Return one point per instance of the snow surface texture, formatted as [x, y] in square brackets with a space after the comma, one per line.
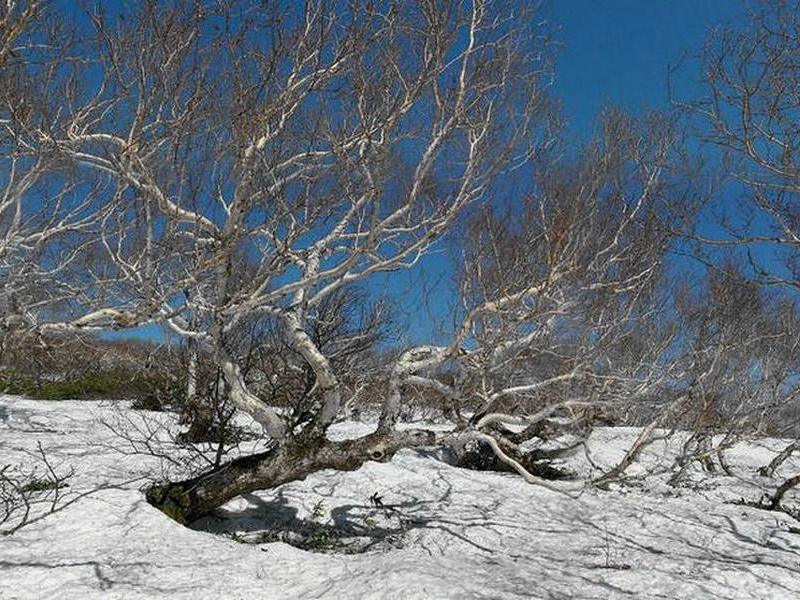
[443, 532]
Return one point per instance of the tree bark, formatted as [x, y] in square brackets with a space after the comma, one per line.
[188, 500]
[191, 373]
[777, 498]
[247, 402]
[780, 458]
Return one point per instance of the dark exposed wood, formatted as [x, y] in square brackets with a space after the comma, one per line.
[188, 500]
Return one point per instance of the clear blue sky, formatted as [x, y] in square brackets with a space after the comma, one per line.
[619, 51]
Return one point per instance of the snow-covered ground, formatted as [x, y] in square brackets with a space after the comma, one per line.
[448, 532]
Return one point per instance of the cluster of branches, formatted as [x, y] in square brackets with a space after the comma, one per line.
[749, 112]
[238, 172]
[29, 495]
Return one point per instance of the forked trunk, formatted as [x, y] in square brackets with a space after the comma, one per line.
[188, 500]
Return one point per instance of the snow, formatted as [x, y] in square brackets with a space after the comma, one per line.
[447, 532]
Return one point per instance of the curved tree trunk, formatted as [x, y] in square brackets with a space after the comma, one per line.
[188, 500]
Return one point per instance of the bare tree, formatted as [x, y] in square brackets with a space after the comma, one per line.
[235, 173]
[750, 109]
[750, 112]
[317, 153]
[739, 373]
[562, 309]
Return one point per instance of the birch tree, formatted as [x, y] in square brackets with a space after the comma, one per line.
[216, 165]
[563, 309]
[749, 111]
[325, 143]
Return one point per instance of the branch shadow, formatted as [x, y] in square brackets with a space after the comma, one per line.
[348, 528]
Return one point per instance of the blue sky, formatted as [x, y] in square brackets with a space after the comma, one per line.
[618, 52]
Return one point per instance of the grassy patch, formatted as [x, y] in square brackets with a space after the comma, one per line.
[102, 384]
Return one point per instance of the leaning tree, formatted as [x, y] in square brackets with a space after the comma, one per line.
[321, 144]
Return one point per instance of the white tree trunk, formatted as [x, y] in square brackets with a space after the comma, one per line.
[191, 375]
[244, 400]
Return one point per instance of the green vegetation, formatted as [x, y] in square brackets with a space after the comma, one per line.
[102, 384]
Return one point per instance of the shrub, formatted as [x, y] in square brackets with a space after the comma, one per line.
[148, 392]
[41, 485]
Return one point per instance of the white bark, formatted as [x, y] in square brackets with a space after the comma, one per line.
[191, 374]
[245, 401]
